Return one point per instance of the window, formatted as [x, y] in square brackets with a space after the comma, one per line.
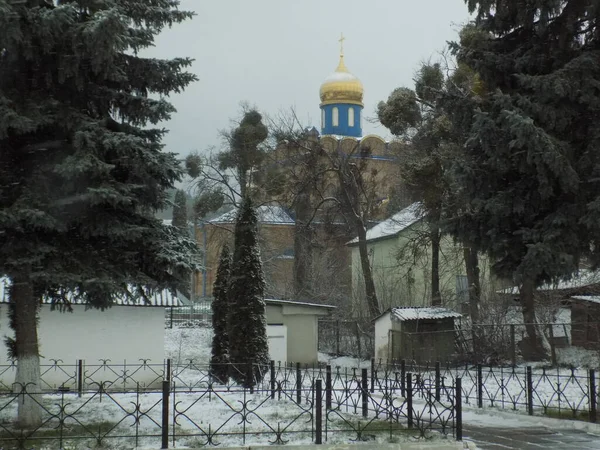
[336, 116]
[351, 117]
[462, 288]
[322, 118]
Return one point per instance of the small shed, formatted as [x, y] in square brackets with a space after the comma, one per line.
[417, 333]
[585, 321]
[130, 331]
[293, 330]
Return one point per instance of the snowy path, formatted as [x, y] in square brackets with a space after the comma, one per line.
[499, 430]
[529, 438]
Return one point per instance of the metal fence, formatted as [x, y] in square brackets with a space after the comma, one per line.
[288, 402]
[346, 338]
[198, 314]
[557, 392]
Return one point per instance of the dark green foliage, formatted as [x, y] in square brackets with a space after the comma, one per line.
[219, 361]
[247, 322]
[180, 215]
[81, 172]
[532, 161]
[245, 152]
[529, 174]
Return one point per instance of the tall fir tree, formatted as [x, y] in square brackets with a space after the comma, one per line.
[219, 361]
[248, 347]
[81, 172]
[180, 213]
[529, 175]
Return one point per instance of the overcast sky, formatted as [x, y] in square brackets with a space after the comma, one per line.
[274, 54]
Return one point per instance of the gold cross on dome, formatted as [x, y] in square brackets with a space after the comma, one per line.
[341, 41]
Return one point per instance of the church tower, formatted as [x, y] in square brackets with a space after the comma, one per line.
[341, 101]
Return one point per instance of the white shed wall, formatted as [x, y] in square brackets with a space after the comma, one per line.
[382, 327]
[120, 333]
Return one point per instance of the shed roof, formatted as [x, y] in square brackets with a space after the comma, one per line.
[162, 298]
[587, 298]
[583, 282]
[422, 313]
[394, 225]
[266, 214]
[291, 302]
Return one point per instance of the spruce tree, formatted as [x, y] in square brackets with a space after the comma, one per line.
[82, 170]
[180, 214]
[529, 175]
[219, 361]
[249, 352]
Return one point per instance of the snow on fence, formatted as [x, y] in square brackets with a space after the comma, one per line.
[288, 403]
[198, 314]
[557, 392]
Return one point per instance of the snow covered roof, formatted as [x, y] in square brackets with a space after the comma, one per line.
[587, 298]
[394, 225]
[422, 313]
[290, 302]
[267, 214]
[163, 298]
[582, 279]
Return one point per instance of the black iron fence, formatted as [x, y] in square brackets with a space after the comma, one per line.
[287, 402]
[556, 392]
[346, 338]
[199, 314]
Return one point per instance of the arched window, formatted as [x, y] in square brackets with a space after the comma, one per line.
[350, 117]
[322, 118]
[336, 116]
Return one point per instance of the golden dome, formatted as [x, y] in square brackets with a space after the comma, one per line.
[341, 87]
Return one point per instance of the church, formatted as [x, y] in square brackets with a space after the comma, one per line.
[303, 238]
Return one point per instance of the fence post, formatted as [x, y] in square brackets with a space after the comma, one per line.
[593, 396]
[358, 340]
[337, 337]
[319, 413]
[403, 378]
[168, 374]
[373, 375]
[298, 383]
[328, 388]
[438, 378]
[272, 370]
[165, 413]
[458, 408]
[409, 400]
[79, 377]
[529, 391]
[552, 348]
[479, 386]
[365, 393]
[513, 346]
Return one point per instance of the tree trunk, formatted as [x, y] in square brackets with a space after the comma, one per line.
[371, 294]
[532, 347]
[24, 307]
[472, 267]
[302, 248]
[436, 296]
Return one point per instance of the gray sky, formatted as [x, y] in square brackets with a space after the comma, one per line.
[274, 54]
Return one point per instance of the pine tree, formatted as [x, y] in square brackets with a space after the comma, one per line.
[249, 352]
[529, 176]
[180, 215]
[219, 362]
[81, 172]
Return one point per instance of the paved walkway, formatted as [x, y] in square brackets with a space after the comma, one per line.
[529, 438]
